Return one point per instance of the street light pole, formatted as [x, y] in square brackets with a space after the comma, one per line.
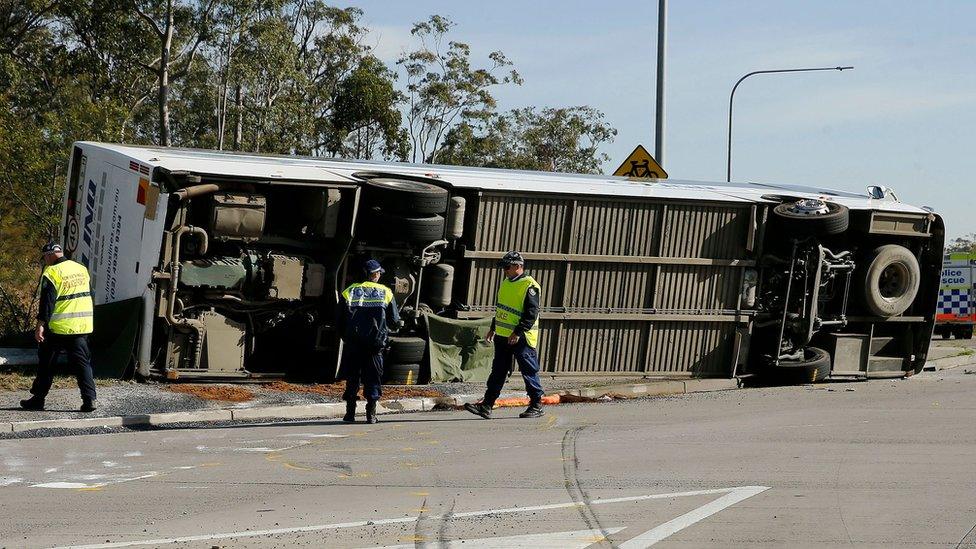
[662, 46]
[728, 174]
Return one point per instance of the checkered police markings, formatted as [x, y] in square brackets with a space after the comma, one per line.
[727, 498]
[954, 301]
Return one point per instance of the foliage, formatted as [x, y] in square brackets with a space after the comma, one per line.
[269, 76]
[553, 139]
[962, 244]
[443, 89]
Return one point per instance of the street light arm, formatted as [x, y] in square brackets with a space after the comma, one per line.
[728, 173]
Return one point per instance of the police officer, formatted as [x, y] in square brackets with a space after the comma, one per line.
[515, 332]
[366, 311]
[64, 320]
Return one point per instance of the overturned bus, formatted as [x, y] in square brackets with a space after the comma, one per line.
[224, 265]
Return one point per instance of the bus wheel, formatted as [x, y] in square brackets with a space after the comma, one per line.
[406, 349]
[813, 367]
[407, 229]
[402, 374]
[406, 197]
[812, 217]
[890, 281]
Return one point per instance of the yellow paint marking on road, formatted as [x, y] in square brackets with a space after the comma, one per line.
[549, 424]
[421, 510]
[432, 441]
[91, 489]
[420, 493]
[407, 449]
[291, 465]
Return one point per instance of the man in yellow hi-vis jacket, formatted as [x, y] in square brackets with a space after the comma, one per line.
[64, 320]
[515, 333]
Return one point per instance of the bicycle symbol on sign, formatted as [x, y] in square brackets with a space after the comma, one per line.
[641, 169]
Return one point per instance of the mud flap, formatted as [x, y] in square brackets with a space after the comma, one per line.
[113, 343]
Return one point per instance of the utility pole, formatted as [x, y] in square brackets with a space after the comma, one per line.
[662, 46]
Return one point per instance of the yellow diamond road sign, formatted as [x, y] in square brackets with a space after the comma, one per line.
[640, 163]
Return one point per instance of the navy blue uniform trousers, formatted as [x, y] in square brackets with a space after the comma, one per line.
[528, 364]
[362, 364]
[79, 360]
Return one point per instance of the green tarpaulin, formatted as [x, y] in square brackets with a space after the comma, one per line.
[458, 349]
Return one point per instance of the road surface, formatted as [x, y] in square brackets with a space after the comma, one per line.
[873, 464]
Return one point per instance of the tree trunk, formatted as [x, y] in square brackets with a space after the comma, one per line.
[164, 130]
[239, 124]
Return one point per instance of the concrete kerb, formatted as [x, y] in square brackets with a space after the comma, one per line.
[950, 362]
[333, 410]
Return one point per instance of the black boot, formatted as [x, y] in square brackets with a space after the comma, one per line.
[534, 410]
[350, 416]
[371, 411]
[32, 403]
[88, 405]
[479, 409]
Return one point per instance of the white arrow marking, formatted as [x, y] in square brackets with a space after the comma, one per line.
[578, 539]
[406, 520]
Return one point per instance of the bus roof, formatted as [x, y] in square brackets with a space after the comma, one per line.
[281, 167]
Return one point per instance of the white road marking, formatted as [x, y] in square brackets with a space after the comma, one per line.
[7, 481]
[405, 520]
[66, 485]
[578, 539]
[132, 454]
[77, 485]
[312, 435]
[655, 535]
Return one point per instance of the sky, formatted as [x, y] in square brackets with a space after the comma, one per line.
[903, 118]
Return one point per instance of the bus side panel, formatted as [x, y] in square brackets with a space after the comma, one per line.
[113, 223]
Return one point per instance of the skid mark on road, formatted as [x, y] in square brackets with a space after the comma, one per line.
[571, 476]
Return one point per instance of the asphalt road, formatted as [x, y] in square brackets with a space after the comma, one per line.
[874, 464]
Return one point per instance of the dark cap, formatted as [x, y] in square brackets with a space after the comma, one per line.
[373, 266]
[511, 258]
[51, 248]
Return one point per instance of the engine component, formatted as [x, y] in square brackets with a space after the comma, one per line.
[314, 284]
[225, 273]
[455, 218]
[439, 285]
[238, 216]
[890, 282]
[406, 197]
[287, 275]
[223, 345]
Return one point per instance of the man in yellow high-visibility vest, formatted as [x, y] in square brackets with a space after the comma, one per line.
[64, 320]
[515, 334]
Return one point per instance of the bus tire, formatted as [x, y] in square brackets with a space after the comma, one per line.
[890, 281]
[402, 374]
[406, 349]
[407, 197]
[405, 229]
[793, 220]
[813, 368]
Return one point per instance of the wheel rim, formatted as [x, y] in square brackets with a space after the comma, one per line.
[894, 280]
[810, 206]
